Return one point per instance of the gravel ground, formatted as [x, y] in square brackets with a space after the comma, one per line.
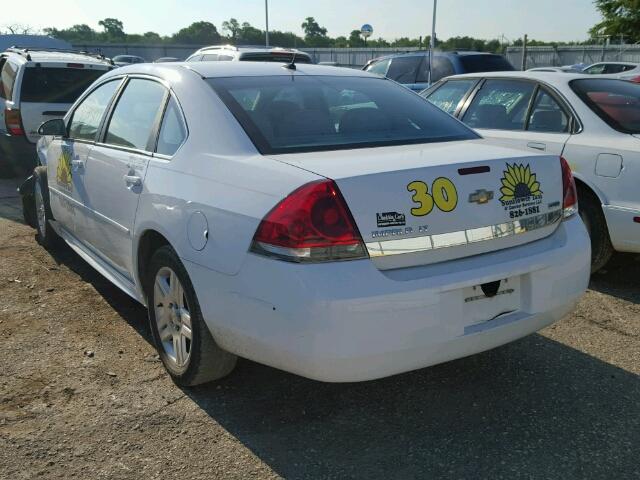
[82, 394]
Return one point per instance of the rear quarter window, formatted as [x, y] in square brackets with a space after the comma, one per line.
[617, 102]
[56, 85]
[7, 79]
[485, 63]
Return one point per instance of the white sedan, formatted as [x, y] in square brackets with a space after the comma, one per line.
[324, 221]
[592, 121]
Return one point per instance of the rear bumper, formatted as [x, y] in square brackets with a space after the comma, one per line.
[349, 321]
[17, 154]
[623, 231]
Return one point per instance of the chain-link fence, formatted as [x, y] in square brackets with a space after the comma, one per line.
[350, 57]
[573, 54]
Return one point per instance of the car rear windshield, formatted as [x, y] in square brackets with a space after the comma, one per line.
[282, 57]
[485, 63]
[56, 85]
[295, 113]
[617, 102]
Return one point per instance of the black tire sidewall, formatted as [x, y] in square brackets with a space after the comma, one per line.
[596, 224]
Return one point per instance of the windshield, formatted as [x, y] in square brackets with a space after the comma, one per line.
[485, 63]
[294, 113]
[56, 85]
[615, 101]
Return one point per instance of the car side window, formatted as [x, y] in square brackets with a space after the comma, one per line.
[449, 95]
[86, 118]
[379, 67]
[209, 57]
[500, 105]
[404, 69]
[225, 58]
[595, 69]
[195, 58]
[442, 67]
[135, 115]
[8, 78]
[547, 115]
[172, 131]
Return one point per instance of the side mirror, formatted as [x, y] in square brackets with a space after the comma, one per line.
[55, 127]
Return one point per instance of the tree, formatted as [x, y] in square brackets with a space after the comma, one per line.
[620, 17]
[355, 40]
[233, 27]
[250, 35]
[314, 34]
[199, 33]
[113, 28]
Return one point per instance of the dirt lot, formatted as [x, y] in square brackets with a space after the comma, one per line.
[82, 394]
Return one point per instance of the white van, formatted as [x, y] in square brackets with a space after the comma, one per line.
[37, 85]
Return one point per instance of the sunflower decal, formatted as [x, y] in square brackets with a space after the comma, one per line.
[63, 172]
[519, 182]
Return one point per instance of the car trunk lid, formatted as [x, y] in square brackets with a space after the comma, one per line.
[422, 204]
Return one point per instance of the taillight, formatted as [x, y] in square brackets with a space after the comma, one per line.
[569, 191]
[13, 121]
[312, 224]
[635, 79]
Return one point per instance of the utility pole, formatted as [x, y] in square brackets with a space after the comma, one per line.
[432, 44]
[524, 53]
[266, 17]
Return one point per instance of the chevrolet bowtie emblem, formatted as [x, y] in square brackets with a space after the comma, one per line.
[480, 196]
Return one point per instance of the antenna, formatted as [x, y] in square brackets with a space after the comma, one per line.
[292, 65]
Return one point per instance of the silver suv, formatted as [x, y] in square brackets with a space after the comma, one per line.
[252, 53]
[38, 84]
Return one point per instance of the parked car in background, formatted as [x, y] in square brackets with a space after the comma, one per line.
[593, 122]
[123, 60]
[324, 221]
[37, 84]
[412, 69]
[166, 60]
[230, 53]
[623, 70]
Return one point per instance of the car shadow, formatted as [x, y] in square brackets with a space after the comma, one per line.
[620, 277]
[535, 408]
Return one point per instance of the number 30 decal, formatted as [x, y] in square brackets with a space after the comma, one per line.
[443, 195]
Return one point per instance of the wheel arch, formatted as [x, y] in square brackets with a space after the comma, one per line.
[149, 241]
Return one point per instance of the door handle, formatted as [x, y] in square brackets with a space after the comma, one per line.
[133, 180]
[537, 145]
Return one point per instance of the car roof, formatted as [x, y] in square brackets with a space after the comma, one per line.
[249, 48]
[547, 77]
[52, 56]
[614, 63]
[437, 53]
[236, 69]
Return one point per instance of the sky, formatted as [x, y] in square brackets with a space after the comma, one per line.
[561, 20]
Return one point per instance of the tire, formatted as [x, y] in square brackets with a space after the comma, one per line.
[590, 211]
[28, 201]
[45, 234]
[174, 316]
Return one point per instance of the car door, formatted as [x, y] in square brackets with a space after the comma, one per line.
[116, 168]
[67, 156]
[518, 114]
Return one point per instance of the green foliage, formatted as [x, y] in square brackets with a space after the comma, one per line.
[198, 33]
[206, 33]
[113, 28]
[619, 17]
